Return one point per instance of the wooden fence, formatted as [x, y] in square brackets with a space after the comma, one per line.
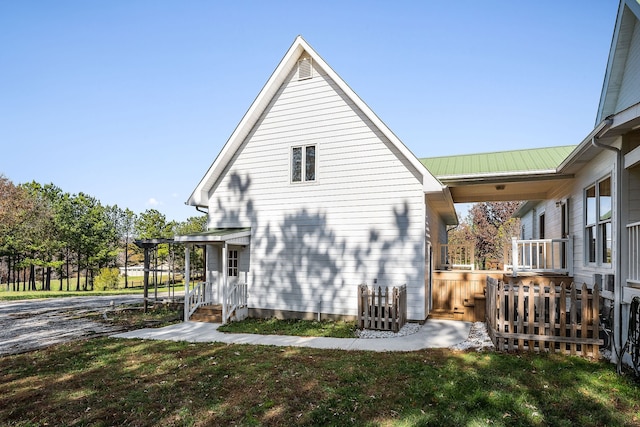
[382, 310]
[557, 319]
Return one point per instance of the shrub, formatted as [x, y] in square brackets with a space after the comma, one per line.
[107, 279]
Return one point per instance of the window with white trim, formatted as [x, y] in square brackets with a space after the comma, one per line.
[303, 163]
[232, 263]
[598, 209]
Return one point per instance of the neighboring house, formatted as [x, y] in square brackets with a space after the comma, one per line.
[313, 195]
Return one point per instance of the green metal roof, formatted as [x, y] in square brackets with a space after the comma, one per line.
[529, 160]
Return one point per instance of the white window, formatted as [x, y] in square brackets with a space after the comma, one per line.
[598, 211]
[303, 163]
[232, 263]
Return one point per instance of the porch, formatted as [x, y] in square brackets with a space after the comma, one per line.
[458, 290]
[223, 295]
[543, 256]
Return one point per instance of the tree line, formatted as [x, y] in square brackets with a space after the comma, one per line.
[50, 235]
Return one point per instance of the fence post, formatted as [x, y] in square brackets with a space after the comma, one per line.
[360, 314]
[595, 307]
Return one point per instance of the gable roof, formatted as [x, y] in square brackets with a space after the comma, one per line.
[625, 45]
[501, 163]
[200, 195]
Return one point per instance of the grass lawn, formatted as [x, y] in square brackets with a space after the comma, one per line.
[136, 286]
[104, 382]
[21, 295]
[302, 328]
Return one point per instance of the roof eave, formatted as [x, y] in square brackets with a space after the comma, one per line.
[199, 197]
[585, 145]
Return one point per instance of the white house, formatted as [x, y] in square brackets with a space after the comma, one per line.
[313, 195]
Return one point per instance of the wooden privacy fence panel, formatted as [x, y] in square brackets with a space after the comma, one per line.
[382, 310]
[551, 318]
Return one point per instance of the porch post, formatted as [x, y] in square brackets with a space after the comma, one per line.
[569, 255]
[146, 276]
[187, 278]
[225, 273]
[514, 257]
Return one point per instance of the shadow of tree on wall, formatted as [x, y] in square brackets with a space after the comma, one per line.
[307, 265]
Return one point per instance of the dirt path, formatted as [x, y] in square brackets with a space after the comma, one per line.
[32, 324]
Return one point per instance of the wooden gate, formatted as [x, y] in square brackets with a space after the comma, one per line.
[382, 310]
[551, 318]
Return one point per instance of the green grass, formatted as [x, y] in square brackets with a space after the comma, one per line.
[20, 295]
[102, 382]
[303, 328]
[135, 286]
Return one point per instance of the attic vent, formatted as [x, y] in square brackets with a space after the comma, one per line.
[305, 69]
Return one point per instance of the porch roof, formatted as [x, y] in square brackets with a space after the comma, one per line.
[535, 160]
[500, 176]
[215, 235]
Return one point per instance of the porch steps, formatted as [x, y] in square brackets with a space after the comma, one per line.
[208, 314]
[460, 295]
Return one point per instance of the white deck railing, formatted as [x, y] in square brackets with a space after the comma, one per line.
[540, 256]
[456, 256]
[235, 297]
[633, 231]
[201, 294]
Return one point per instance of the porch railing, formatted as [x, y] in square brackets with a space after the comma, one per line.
[235, 297]
[540, 256]
[633, 231]
[201, 294]
[456, 256]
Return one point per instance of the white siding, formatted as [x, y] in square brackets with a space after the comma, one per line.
[602, 166]
[363, 219]
[553, 214]
[572, 191]
[630, 88]
[526, 222]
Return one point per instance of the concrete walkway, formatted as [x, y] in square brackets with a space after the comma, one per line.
[433, 334]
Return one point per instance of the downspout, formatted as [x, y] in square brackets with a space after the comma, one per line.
[200, 210]
[617, 280]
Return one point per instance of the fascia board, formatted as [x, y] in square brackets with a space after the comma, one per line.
[610, 62]
[200, 195]
[491, 176]
[634, 5]
[429, 182]
[582, 147]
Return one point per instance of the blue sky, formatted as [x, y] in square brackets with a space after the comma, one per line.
[131, 101]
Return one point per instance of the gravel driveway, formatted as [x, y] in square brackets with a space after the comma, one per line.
[32, 324]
